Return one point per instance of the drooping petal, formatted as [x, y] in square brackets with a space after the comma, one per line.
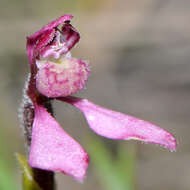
[53, 149]
[115, 125]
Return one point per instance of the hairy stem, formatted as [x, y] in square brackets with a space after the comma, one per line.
[45, 179]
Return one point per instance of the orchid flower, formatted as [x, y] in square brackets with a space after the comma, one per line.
[55, 74]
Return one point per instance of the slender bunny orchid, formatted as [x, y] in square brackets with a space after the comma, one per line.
[56, 75]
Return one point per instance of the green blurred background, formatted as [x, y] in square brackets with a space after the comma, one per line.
[140, 61]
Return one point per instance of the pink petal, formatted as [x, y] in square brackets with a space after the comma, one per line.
[115, 125]
[64, 41]
[31, 40]
[70, 34]
[53, 149]
[64, 78]
[44, 39]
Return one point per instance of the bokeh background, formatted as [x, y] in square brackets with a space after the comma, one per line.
[139, 53]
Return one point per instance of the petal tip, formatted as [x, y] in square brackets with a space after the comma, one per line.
[168, 142]
[172, 143]
[80, 174]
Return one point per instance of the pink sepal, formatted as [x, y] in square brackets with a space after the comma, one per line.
[115, 125]
[51, 25]
[31, 40]
[53, 149]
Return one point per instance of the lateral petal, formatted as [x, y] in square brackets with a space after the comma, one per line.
[115, 125]
[53, 149]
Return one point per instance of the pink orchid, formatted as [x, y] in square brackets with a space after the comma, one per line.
[56, 75]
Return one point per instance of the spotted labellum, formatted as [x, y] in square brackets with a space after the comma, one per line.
[55, 74]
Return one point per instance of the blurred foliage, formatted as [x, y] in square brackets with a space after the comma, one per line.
[115, 172]
[28, 180]
[42, 8]
[6, 177]
[14, 72]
